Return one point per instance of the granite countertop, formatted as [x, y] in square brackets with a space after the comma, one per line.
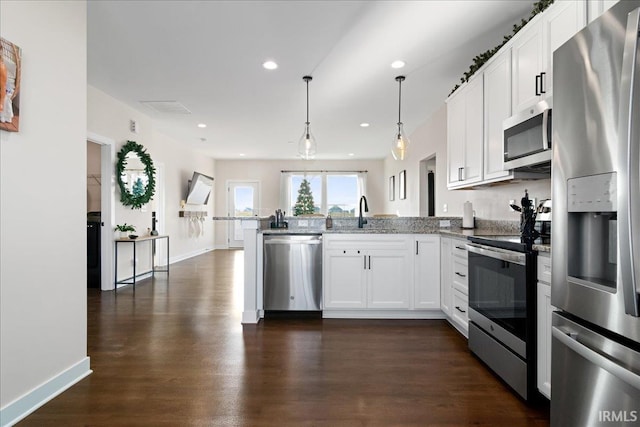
[239, 218]
[545, 248]
[452, 232]
[456, 232]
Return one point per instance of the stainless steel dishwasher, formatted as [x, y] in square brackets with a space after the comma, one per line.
[292, 272]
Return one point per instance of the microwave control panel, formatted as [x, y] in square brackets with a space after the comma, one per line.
[593, 193]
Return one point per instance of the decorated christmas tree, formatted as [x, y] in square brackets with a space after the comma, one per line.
[304, 203]
[138, 188]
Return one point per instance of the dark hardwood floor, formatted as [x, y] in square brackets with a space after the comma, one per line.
[175, 354]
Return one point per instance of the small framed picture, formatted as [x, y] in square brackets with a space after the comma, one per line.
[403, 184]
[392, 188]
[10, 68]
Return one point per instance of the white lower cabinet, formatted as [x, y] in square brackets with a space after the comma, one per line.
[344, 279]
[460, 312]
[453, 282]
[388, 279]
[544, 311]
[446, 269]
[427, 273]
[366, 271]
[382, 275]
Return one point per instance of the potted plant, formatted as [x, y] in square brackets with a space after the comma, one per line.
[124, 229]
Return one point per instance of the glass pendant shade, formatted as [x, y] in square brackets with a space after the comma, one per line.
[307, 146]
[400, 144]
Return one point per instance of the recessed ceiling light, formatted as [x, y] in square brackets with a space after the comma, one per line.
[270, 65]
[202, 125]
[397, 64]
[241, 154]
[364, 125]
[351, 154]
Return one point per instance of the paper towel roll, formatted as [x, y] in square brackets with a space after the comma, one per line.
[467, 215]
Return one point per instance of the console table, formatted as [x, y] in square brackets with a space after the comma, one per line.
[134, 242]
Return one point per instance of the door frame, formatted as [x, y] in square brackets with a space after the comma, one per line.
[107, 207]
[228, 184]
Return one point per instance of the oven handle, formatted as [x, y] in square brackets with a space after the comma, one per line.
[497, 253]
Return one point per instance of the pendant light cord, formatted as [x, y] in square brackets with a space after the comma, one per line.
[399, 99]
[399, 79]
[307, 79]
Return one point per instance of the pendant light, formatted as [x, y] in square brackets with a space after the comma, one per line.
[400, 142]
[307, 146]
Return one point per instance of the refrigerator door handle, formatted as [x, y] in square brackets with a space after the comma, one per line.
[545, 127]
[628, 173]
[570, 340]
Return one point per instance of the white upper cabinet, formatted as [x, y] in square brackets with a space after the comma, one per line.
[527, 66]
[497, 107]
[595, 8]
[465, 135]
[561, 21]
[533, 49]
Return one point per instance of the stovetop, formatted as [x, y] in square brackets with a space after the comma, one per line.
[514, 242]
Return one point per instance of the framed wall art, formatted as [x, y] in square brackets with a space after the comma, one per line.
[402, 185]
[392, 188]
[10, 67]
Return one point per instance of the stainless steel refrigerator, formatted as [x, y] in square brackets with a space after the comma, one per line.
[595, 372]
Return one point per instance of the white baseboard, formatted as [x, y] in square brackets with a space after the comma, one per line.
[250, 317]
[216, 247]
[26, 404]
[188, 255]
[383, 314]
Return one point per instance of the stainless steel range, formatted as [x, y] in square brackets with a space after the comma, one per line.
[502, 309]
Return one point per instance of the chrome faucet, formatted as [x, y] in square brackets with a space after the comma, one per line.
[362, 221]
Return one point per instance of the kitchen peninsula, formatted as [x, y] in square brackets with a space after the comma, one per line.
[407, 251]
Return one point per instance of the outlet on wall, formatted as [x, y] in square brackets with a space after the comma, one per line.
[445, 208]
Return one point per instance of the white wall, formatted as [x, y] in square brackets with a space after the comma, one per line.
[267, 172]
[489, 202]
[110, 118]
[43, 302]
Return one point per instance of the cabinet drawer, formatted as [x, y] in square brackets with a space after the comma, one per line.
[458, 248]
[460, 312]
[544, 269]
[459, 275]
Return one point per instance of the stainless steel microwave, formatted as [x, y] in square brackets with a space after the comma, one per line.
[527, 138]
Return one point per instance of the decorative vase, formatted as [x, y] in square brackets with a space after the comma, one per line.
[124, 235]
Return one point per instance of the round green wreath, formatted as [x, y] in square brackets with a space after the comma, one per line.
[128, 199]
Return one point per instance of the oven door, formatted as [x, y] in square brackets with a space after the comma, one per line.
[498, 294]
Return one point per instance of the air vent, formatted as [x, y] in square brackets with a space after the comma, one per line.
[170, 107]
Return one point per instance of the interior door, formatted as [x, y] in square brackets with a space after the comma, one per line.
[243, 201]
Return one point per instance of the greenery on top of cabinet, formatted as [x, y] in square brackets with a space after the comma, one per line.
[482, 58]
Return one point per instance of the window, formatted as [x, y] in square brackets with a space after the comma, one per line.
[336, 193]
[342, 195]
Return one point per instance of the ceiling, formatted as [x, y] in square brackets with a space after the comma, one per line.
[208, 56]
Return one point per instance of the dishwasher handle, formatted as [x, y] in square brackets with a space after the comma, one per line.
[292, 242]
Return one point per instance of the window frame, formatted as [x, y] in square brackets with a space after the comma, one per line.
[286, 189]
